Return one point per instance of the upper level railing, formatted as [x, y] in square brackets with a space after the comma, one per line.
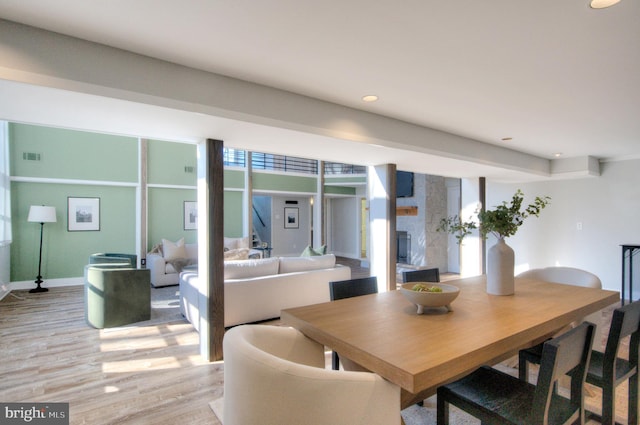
[339, 168]
[271, 162]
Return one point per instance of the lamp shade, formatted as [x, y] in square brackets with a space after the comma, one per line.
[42, 214]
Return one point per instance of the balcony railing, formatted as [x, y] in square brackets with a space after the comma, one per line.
[338, 168]
[270, 162]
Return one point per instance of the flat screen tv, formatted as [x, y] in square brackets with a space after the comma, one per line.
[404, 184]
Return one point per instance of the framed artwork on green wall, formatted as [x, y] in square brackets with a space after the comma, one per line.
[83, 214]
[190, 215]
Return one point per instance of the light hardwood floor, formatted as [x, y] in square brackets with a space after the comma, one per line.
[135, 375]
[129, 375]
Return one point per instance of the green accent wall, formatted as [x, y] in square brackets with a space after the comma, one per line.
[166, 215]
[233, 214]
[106, 166]
[166, 162]
[280, 182]
[233, 179]
[346, 179]
[64, 253]
[69, 154]
[339, 190]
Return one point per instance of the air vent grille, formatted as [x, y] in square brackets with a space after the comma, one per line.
[30, 156]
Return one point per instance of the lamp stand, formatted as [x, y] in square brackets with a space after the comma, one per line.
[39, 278]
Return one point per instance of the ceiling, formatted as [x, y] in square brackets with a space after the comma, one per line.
[556, 77]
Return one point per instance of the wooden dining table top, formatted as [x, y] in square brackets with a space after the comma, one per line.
[384, 334]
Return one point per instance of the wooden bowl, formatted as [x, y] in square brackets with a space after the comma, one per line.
[430, 299]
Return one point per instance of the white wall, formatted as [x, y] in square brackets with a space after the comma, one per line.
[608, 208]
[4, 270]
[345, 227]
[290, 242]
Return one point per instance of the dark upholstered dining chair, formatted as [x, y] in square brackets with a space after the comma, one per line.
[348, 289]
[425, 275]
[495, 397]
[607, 370]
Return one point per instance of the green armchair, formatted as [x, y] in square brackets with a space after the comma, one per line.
[113, 257]
[116, 295]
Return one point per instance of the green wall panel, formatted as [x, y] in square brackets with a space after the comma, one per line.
[165, 217]
[64, 253]
[346, 179]
[167, 161]
[234, 179]
[69, 154]
[267, 181]
[233, 214]
[339, 190]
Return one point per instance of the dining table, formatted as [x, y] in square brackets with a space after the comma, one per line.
[384, 334]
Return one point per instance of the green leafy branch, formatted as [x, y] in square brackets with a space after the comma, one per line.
[505, 219]
[457, 227]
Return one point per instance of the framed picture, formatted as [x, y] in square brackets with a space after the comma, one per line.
[83, 214]
[291, 218]
[190, 215]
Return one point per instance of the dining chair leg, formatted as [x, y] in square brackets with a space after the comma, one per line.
[633, 400]
[608, 405]
[523, 369]
[442, 413]
[335, 361]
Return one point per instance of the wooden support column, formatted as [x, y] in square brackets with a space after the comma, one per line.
[248, 198]
[319, 231]
[482, 199]
[210, 248]
[141, 209]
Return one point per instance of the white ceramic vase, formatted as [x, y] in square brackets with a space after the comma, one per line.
[500, 265]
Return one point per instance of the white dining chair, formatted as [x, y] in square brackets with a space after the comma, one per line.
[275, 375]
[576, 277]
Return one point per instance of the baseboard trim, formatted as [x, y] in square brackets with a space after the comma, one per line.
[49, 283]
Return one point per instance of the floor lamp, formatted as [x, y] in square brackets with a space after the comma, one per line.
[41, 214]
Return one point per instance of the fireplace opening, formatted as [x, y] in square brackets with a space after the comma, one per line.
[403, 247]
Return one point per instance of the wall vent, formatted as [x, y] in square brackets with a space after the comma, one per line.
[189, 169]
[30, 156]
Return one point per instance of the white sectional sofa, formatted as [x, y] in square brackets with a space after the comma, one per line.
[168, 259]
[166, 271]
[256, 290]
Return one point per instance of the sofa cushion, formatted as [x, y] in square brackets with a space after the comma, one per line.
[173, 250]
[301, 264]
[241, 269]
[236, 254]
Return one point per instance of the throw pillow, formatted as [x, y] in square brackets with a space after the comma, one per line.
[173, 250]
[230, 243]
[312, 252]
[236, 254]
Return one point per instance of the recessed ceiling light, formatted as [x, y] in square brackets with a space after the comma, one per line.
[369, 98]
[557, 154]
[601, 4]
[507, 139]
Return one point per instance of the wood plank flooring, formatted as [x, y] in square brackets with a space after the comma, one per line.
[129, 375]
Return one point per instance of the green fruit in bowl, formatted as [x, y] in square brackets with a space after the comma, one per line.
[421, 287]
